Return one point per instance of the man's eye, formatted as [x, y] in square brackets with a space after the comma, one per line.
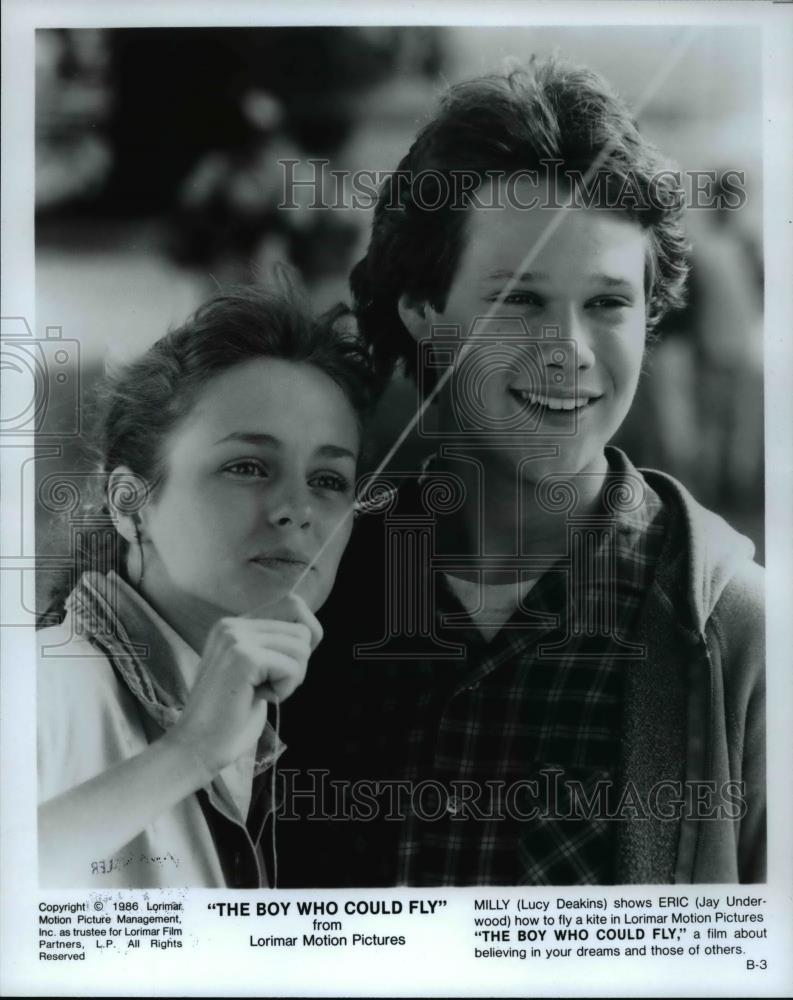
[247, 469]
[518, 299]
[330, 481]
[608, 302]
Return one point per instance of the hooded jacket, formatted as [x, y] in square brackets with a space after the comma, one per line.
[693, 716]
[694, 709]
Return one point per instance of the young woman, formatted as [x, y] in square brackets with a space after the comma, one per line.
[228, 459]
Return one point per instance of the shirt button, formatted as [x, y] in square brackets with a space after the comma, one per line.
[452, 805]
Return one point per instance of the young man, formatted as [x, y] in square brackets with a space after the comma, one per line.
[541, 666]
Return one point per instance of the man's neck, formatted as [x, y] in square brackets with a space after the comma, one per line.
[503, 517]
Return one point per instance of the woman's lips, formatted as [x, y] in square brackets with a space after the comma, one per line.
[282, 565]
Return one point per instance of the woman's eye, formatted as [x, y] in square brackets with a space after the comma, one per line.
[247, 469]
[330, 481]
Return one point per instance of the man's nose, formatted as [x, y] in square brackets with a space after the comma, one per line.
[570, 347]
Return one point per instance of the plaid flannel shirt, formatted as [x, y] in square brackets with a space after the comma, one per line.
[504, 748]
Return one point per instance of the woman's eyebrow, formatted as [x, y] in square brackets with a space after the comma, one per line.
[335, 451]
[257, 438]
[250, 437]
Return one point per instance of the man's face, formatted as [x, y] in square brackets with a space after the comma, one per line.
[575, 277]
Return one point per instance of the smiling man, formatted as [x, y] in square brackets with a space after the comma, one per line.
[542, 665]
[545, 378]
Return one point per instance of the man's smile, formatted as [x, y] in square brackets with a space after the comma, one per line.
[554, 402]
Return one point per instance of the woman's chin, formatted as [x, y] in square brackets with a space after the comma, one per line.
[263, 604]
[267, 599]
[277, 603]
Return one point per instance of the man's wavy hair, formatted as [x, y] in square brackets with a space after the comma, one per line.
[547, 111]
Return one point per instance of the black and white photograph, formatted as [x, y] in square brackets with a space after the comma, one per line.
[393, 434]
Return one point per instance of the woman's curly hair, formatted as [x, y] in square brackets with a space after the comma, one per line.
[138, 406]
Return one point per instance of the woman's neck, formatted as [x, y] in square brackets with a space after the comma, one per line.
[191, 618]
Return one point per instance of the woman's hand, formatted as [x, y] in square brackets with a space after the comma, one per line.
[246, 663]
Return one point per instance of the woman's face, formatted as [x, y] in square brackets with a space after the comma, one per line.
[257, 495]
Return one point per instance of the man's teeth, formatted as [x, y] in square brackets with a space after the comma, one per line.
[552, 403]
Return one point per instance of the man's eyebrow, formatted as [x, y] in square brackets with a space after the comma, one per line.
[599, 278]
[610, 280]
[523, 276]
[257, 438]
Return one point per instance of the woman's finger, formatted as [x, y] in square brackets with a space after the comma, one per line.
[306, 616]
[262, 667]
[278, 690]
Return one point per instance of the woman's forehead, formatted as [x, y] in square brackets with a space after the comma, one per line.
[293, 403]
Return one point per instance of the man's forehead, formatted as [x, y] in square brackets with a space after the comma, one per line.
[530, 244]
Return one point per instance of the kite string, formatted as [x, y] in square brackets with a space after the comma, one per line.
[652, 88]
[654, 85]
[273, 800]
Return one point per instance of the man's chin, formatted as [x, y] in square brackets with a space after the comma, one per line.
[566, 461]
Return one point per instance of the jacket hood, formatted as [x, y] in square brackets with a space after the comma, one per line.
[710, 556]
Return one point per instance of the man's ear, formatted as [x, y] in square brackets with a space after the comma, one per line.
[127, 497]
[417, 315]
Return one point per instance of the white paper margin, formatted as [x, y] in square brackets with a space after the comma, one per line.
[282, 973]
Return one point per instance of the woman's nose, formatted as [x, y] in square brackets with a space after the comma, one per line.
[290, 510]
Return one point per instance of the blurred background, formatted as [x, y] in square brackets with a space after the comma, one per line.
[157, 184]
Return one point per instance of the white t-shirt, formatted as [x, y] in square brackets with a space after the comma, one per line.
[489, 605]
